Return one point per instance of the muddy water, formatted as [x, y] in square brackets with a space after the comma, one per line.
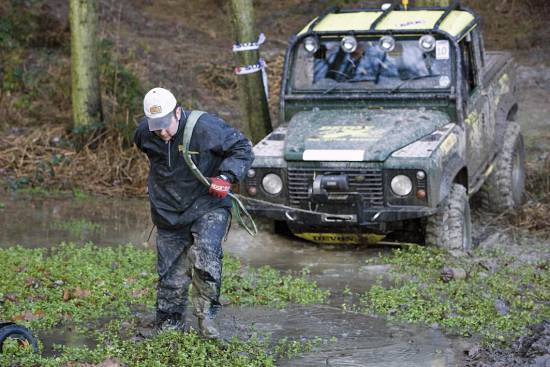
[46, 222]
[360, 340]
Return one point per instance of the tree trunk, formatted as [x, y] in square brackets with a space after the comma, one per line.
[254, 107]
[86, 96]
[432, 3]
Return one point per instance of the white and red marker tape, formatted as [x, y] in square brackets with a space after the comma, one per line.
[249, 46]
[249, 69]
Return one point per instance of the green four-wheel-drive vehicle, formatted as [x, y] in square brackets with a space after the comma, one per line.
[391, 120]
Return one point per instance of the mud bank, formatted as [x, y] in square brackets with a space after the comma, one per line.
[531, 350]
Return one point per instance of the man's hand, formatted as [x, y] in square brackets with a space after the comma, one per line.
[219, 187]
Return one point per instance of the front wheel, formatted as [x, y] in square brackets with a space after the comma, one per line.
[451, 227]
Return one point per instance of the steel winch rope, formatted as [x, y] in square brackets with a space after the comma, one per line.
[237, 205]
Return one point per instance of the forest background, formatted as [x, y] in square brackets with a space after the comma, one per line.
[184, 46]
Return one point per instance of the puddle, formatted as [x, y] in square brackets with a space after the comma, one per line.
[108, 221]
[47, 222]
[65, 336]
[360, 340]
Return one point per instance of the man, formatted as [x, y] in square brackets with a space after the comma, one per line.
[191, 219]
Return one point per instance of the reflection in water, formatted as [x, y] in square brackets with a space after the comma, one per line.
[43, 223]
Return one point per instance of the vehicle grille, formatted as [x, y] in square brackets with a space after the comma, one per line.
[367, 182]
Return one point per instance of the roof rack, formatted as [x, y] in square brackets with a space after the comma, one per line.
[455, 5]
[394, 6]
[331, 10]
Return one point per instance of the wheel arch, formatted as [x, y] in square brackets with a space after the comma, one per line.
[507, 111]
[456, 171]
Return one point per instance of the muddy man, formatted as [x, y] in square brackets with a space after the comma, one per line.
[192, 219]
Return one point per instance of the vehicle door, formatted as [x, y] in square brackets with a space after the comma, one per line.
[476, 106]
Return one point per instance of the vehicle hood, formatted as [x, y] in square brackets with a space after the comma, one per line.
[358, 135]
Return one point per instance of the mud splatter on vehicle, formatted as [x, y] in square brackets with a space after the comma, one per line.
[390, 121]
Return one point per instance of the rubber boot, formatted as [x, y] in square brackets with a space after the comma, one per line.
[208, 329]
[170, 321]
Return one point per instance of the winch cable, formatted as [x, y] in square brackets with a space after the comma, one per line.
[238, 208]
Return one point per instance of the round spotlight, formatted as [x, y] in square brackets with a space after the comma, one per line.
[311, 44]
[401, 185]
[349, 44]
[427, 43]
[387, 43]
[272, 184]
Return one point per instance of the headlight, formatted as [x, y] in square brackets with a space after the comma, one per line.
[387, 43]
[401, 185]
[349, 44]
[272, 184]
[427, 43]
[311, 44]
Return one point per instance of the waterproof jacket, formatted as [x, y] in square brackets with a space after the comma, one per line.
[177, 197]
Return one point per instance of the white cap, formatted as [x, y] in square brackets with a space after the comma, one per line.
[158, 105]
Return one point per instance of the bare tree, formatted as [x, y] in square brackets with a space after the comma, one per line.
[86, 96]
[254, 107]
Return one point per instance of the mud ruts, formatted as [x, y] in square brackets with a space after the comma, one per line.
[191, 255]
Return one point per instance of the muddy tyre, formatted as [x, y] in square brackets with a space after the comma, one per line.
[504, 188]
[451, 227]
[19, 333]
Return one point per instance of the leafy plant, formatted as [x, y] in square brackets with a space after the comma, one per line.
[497, 304]
[42, 288]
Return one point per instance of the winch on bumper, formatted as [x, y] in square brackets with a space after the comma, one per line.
[375, 219]
[338, 199]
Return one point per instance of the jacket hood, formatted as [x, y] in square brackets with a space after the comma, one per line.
[358, 135]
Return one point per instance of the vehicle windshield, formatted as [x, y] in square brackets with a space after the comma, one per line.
[405, 67]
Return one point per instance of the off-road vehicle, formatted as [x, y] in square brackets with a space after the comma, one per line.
[391, 120]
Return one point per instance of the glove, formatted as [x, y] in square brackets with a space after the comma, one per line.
[219, 187]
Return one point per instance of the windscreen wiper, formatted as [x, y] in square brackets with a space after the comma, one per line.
[417, 77]
[333, 87]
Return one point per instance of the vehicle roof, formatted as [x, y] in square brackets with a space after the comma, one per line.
[455, 23]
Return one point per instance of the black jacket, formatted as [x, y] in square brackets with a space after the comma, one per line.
[177, 197]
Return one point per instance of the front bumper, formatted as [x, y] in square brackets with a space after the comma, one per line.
[368, 218]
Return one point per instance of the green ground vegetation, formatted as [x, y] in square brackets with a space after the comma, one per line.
[166, 349]
[80, 284]
[497, 299]
[42, 288]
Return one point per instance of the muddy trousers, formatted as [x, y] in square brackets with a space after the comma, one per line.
[192, 255]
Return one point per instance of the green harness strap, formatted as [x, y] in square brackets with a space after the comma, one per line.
[237, 205]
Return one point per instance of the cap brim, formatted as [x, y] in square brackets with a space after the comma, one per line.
[159, 123]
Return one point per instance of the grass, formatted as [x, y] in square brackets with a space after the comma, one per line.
[465, 306]
[166, 349]
[42, 288]
[81, 284]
